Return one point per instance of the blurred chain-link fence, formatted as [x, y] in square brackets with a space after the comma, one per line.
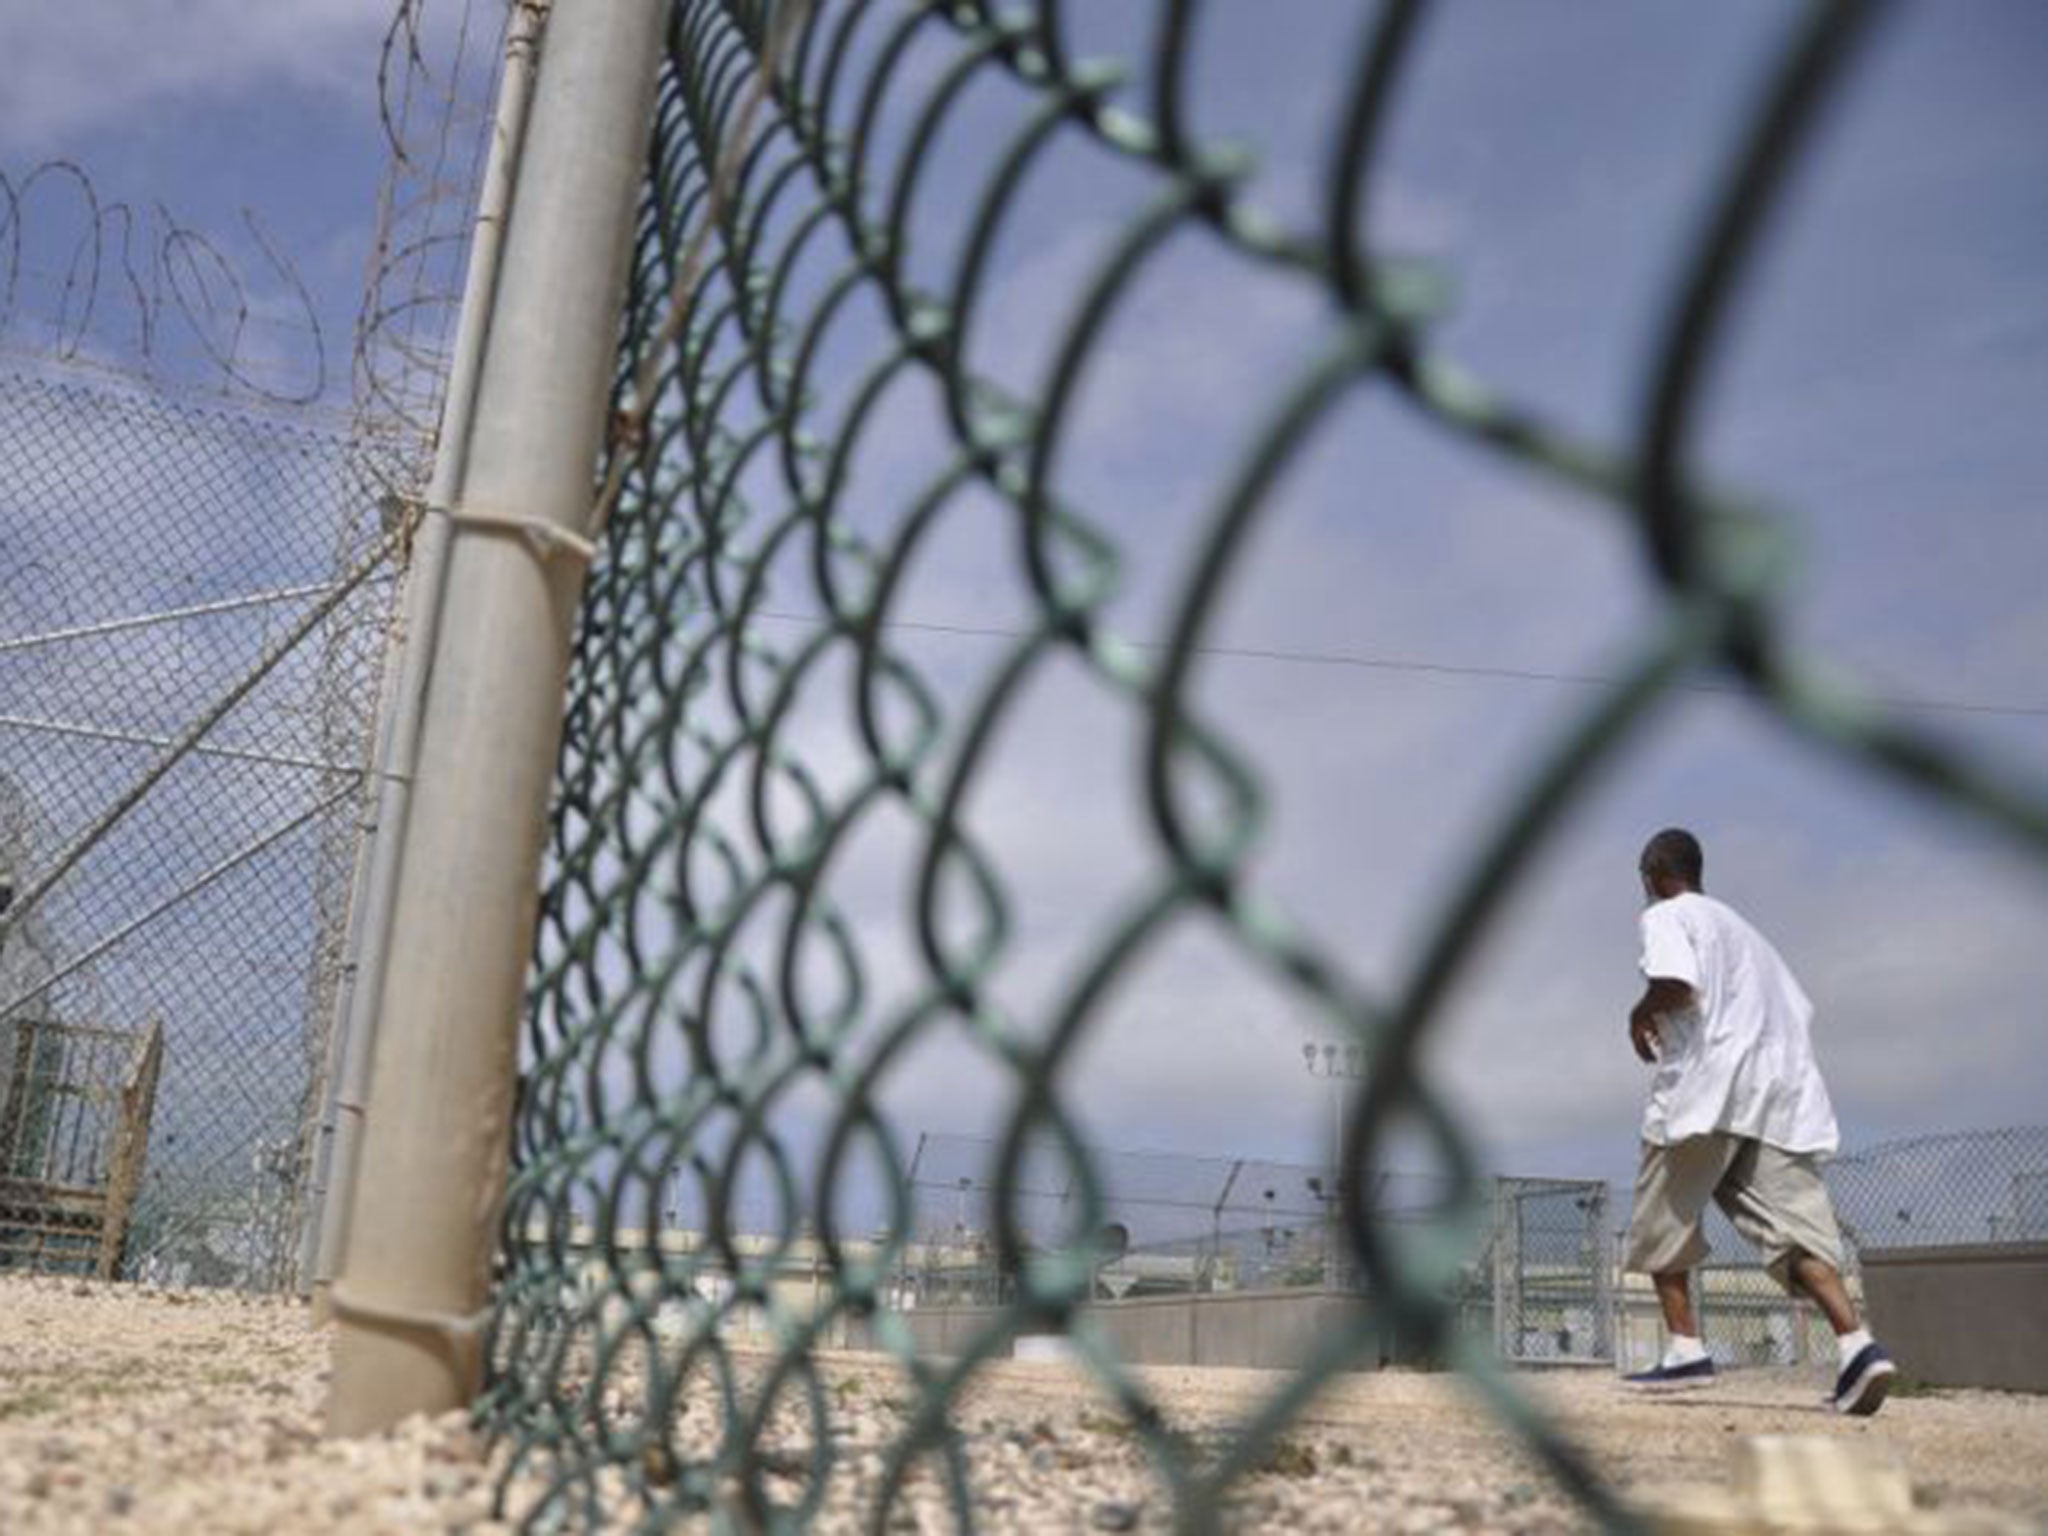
[776, 901]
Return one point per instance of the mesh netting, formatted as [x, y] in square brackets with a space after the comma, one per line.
[1945, 1191]
[725, 994]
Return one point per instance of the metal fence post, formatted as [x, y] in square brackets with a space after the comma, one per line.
[1507, 1302]
[1620, 1324]
[1599, 1252]
[1216, 1223]
[376, 877]
[430, 1181]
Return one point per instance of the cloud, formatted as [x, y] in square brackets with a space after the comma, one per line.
[74, 69]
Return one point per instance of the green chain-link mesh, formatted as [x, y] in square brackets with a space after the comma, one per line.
[679, 699]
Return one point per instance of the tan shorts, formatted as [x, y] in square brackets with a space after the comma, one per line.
[1776, 1199]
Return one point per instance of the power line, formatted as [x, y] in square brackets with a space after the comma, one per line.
[1422, 667]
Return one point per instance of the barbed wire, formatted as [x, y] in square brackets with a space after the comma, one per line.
[435, 93]
[122, 279]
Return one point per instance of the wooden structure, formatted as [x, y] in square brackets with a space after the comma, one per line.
[75, 1109]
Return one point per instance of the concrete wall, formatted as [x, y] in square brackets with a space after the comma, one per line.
[1267, 1330]
[1963, 1317]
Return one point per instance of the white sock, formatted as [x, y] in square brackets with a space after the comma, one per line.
[1683, 1349]
[1852, 1343]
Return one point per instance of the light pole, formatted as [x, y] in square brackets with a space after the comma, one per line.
[1337, 1065]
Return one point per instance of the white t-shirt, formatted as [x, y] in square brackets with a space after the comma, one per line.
[1740, 1059]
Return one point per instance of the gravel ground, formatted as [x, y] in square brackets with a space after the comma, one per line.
[130, 1410]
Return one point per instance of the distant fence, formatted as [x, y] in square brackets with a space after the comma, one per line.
[1181, 1222]
[1544, 1286]
[1947, 1190]
[1192, 1225]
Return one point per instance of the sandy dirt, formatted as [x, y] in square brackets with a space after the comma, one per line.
[131, 1410]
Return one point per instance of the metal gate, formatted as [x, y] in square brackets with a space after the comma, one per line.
[75, 1107]
[1549, 1266]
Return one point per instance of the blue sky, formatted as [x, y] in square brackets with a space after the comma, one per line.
[214, 109]
[1884, 391]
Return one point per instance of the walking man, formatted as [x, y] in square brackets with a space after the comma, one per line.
[1737, 1114]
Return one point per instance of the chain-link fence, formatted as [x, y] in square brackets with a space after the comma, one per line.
[1539, 1284]
[199, 556]
[1545, 1286]
[1944, 1191]
[727, 994]
[156, 551]
[1173, 1223]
